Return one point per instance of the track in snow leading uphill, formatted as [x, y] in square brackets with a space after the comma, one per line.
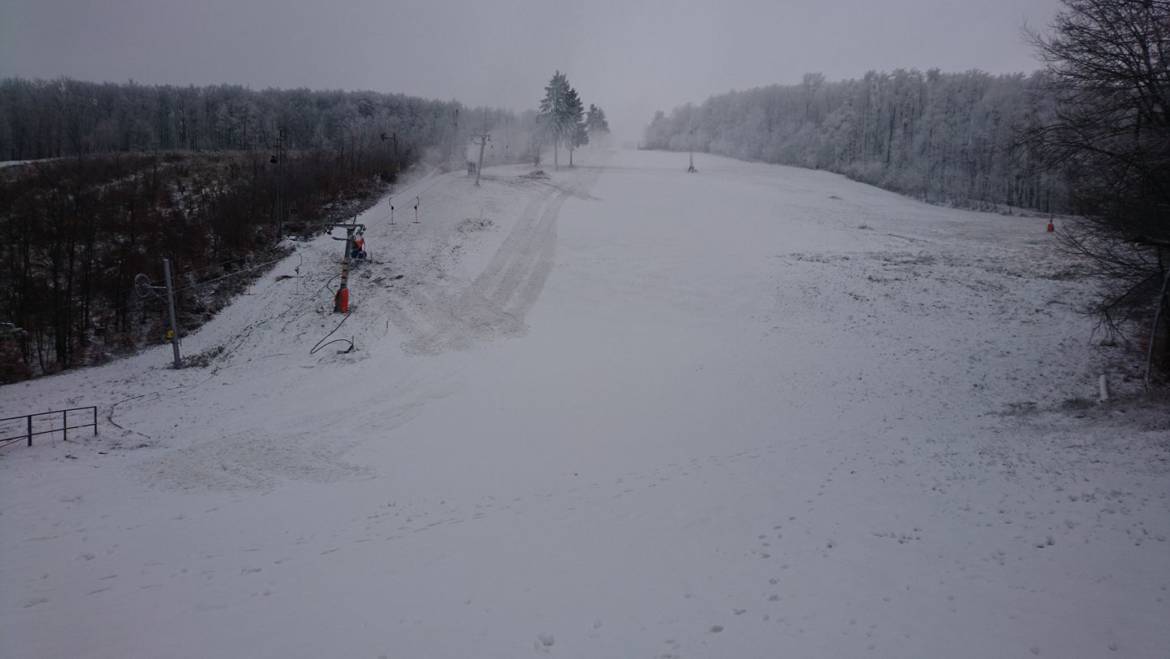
[437, 319]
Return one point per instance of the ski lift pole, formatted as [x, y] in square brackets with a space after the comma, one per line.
[171, 309]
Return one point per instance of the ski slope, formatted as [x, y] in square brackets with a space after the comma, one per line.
[622, 411]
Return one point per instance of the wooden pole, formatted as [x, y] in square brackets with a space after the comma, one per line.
[483, 139]
[171, 309]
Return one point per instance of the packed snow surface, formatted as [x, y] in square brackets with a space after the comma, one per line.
[616, 411]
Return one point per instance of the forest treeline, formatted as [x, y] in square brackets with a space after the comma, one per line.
[63, 117]
[122, 175]
[942, 137]
[76, 232]
[1089, 134]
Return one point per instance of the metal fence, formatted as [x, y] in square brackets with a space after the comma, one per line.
[56, 415]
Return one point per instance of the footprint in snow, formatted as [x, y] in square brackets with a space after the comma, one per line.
[544, 643]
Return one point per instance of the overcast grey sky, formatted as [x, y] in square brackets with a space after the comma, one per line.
[629, 57]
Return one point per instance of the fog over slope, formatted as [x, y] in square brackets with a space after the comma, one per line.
[632, 57]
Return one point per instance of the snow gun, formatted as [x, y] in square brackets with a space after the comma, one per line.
[341, 299]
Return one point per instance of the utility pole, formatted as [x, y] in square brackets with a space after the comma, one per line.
[279, 159]
[452, 139]
[482, 138]
[394, 139]
[691, 142]
[171, 308]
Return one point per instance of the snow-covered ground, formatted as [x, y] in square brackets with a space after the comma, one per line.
[17, 163]
[620, 412]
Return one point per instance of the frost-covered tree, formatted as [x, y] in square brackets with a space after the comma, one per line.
[63, 117]
[580, 138]
[595, 121]
[553, 111]
[575, 135]
[1109, 63]
[949, 138]
[558, 112]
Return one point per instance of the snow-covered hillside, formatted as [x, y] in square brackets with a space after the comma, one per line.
[622, 411]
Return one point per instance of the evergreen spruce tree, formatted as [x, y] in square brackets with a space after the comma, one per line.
[575, 134]
[580, 138]
[555, 111]
[595, 121]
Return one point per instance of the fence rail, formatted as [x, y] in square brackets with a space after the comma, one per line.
[64, 429]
